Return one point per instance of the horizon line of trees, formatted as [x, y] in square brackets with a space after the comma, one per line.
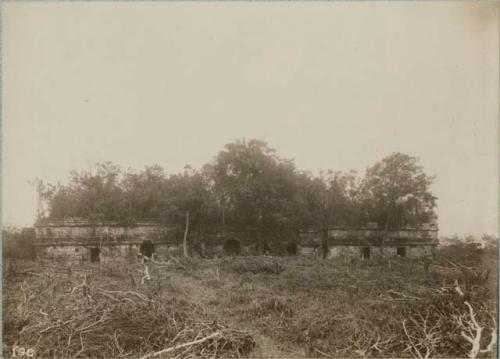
[246, 188]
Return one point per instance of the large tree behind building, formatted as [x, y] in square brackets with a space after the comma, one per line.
[190, 191]
[106, 193]
[95, 195]
[144, 195]
[257, 189]
[330, 199]
[396, 192]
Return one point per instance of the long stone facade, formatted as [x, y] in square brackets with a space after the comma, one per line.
[81, 241]
[371, 242]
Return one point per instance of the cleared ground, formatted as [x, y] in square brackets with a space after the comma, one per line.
[259, 307]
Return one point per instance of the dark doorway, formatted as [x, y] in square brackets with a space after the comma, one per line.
[365, 252]
[232, 247]
[266, 249]
[291, 248]
[401, 251]
[94, 254]
[147, 248]
[262, 248]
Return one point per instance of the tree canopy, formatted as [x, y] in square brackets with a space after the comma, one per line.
[396, 192]
[246, 188]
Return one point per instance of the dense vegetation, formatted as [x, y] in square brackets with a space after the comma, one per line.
[18, 243]
[246, 188]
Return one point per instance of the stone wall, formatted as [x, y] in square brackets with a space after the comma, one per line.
[307, 250]
[80, 254]
[348, 252]
[75, 240]
[53, 231]
[72, 253]
[421, 251]
[405, 236]
[389, 251]
[344, 252]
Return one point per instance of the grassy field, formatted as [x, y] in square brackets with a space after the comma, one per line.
[257, 307]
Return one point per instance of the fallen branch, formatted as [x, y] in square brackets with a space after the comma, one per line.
[175, 347]
[138, 295]
[323, 353]
[117, 344]
[101, 320]
[475, 340]
[30, 271]
[403, 295]
[411, 341]
[56, 326]
[84, 285]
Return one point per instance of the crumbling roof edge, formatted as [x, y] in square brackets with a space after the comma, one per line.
[398, 244]
[351, 229]
[99, 224]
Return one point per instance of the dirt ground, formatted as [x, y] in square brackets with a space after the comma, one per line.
[211, 293]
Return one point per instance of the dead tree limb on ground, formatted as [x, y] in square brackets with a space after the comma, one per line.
[85, 285]
[475, 332]
[175, 347]
[424, 337]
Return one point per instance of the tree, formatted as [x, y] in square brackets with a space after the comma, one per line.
[93, 196]
[396, 192]
[256, 188]
[332, 198]
[19, 243]
[144, 195]
[190, 204]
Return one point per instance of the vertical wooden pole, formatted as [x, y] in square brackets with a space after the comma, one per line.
[184, 242]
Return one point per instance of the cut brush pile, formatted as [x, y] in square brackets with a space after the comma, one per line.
[61, 318]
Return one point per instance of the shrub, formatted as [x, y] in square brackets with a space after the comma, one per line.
[19, 243]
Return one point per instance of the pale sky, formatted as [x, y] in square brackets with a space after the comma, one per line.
[331, 84]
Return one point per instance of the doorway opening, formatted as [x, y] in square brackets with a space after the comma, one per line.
[147, 248]
[365, 252]
[291, 248]
[401, 251]
[232, 247]
[94, 254]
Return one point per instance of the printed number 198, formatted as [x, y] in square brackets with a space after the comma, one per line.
[20, 352]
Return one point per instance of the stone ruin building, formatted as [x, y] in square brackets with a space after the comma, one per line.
[82, 241]
[371, 241]
[78, 240]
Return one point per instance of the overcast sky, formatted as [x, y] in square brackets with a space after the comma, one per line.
[333, 85]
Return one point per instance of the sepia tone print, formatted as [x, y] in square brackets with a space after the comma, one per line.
[250, 179]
